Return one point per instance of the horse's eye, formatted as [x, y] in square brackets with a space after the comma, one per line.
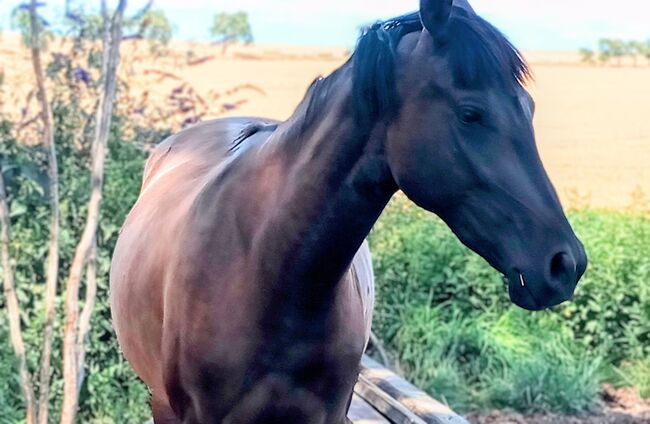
[470, 116]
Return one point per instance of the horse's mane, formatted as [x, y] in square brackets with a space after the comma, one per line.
[478, 53]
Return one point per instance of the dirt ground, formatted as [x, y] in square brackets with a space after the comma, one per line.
[623, 406]
[592, 122]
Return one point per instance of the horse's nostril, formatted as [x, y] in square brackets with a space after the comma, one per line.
[563, 268]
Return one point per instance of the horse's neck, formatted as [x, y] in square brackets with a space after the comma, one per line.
[337, 184]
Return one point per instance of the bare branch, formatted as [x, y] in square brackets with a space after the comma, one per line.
[139, 16]
[143, 11]
[72, 15]
[112, 40]
[86, 314]
[104, 12]
[53, 254]
[137, 36]
[13, 307]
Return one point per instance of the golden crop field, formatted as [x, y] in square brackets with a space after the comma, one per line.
[592, 122]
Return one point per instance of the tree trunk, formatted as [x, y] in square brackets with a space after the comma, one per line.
[53, 254]
[13, 308]
[71, 367]
[86, 314]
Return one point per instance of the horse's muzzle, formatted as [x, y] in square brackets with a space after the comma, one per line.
[554, 284]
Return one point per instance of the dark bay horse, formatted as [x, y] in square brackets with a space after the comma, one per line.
[242, 287]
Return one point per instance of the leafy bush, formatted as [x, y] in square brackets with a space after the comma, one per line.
[11, 401]
[418, 261]
[112, 393]
[446, 315]
[612, 305]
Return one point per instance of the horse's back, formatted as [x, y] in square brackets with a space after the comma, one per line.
[176, 172]
[202, 146]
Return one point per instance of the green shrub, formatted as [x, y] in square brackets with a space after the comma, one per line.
[612, 304]
[111, 393]
[418, 261]
[446, 315]
[11, 401]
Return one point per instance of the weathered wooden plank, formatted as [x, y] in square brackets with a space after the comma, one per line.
[421, 405]
[384, 403]
[362, 413]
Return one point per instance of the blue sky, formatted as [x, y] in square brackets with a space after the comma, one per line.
[531, 24]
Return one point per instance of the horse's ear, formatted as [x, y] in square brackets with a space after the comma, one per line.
[435, 15]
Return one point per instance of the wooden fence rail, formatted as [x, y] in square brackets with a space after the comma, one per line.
[388, 398]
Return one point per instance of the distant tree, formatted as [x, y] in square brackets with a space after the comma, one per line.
[619, 49]
[153, 26]
[157, 27]
[80, 25]
[587, 55]
[605, 50]
[231, 27]
[21, 21]
[609, 49]
[631, 51]
[645, 50]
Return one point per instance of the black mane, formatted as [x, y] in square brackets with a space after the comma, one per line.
[374, 67]
[479, 54]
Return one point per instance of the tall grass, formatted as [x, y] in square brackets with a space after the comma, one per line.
[497, 361]
[445, 315]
